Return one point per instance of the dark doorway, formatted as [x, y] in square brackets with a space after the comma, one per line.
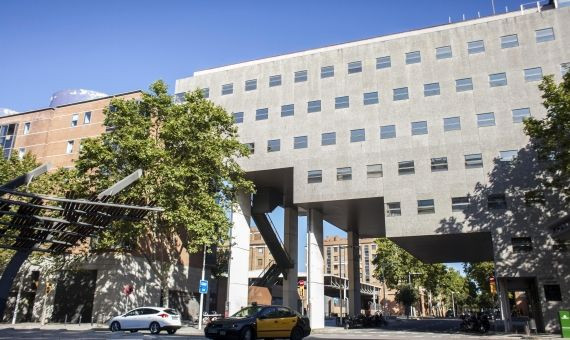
[74, 296]
[524, 301]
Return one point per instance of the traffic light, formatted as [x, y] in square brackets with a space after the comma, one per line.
[492, 285]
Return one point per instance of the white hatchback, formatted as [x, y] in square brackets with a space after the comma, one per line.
[155, 319]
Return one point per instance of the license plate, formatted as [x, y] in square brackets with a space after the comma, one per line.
[175, 318]
[222, 332]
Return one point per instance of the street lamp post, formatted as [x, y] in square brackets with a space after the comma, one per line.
[410, 282]
[202, 295]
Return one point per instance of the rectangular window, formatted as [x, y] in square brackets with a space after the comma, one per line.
[354, 67]
[370, 98]
[275, 80]
[287, 110]
[564, 68]
[314, 106]
[74, 120]
[443, 52]
[341, 102]
[328, 138]
[387, 131]
[545, 34]
[486, 119]
[533, 74]
[431, 89]
[315, 176]
[374, 171]
[383, 62]
[87, 117]
[508, 155]
[250, 147]
[496, 201]
[498, 79]
[462, 85]
[227, 89]
[426, 206]
[520, 114]
[238, 117]
[206, 92]
[439, 164]
[552, 292]
[27, 126]
[261, 114]
[344, 174]
[327, 72]
[474, 47]
[273, 145]
[179, 98]
[300, 142]
[413, 57]
[474, 160]
[357, 135]
[459, 203]
[69, 148]
[401, 94]
[419, 128]
[406, 168]
[509, 41]
[521, 244]
[259, 262]
[251, 84]
[451, 124]
[393, 209]
[301, 76]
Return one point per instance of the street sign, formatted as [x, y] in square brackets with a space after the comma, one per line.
[203, 287]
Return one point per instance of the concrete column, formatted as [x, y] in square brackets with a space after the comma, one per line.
[238, 279]
[353, 262]
[291, 243]
[315, 275]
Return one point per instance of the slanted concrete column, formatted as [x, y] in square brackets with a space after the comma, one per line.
[353, 262]
[291, 243]
[315, 275]
[238, 280]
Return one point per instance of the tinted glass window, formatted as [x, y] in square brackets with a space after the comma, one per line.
[451, 124]
[301, 76]
[275, 80]
[401, 93]
[465, 84]
[383, 62]
[474, 47]
[431, 89]
[413, 57]
[370, 98]
[354, 67]
[443, 52]
[545, 34]
[357, 135]
[498, 79]
[327, 71]
[341, 102]
[387, 131]
[520, 114]
[509, 41]
[533, 74]
[314, 106]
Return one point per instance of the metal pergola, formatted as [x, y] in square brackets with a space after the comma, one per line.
[31, 222]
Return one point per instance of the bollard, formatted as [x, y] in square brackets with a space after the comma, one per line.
[65, 321]
[79, 323]
[92, 321]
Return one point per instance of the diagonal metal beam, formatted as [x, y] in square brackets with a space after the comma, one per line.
[26, 178]
[122, 184]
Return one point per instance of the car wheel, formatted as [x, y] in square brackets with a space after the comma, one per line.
[115, 326]
[247, 334]
[171, 331]
[296, 334]
[154, 328]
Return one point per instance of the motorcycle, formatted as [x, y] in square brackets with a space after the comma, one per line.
[475, 323]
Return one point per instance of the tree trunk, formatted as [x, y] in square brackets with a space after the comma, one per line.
[164, 285]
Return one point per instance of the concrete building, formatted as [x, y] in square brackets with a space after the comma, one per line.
[416, 136]
[54, 135]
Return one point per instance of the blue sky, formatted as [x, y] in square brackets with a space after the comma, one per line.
[117, 46]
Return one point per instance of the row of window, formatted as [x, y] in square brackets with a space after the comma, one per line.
[458, 204]
[74, 121]
[384, 62]
[389, 131]
[472, 161]
[402, 93]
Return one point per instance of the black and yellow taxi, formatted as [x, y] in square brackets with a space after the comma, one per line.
[260, 322]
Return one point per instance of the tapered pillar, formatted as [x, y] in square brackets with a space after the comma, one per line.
[291, 243]
[353, 263]
[315, 275]
[238, 279]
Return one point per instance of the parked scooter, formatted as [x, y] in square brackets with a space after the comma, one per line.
[475, 323]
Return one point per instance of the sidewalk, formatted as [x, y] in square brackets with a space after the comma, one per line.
[185, 330]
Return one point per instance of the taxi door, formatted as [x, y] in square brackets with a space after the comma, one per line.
[287, 320]
[268, 323]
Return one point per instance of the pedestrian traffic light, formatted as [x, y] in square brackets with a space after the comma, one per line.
[492, 285]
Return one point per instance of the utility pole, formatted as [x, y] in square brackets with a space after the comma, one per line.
[202, 294]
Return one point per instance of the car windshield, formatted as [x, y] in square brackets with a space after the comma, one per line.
[247, 312]
[171, 311]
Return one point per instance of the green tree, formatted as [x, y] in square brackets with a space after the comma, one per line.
[550, 136]
[393, 264]
[407, 295]
[479, 273]
[188, 153]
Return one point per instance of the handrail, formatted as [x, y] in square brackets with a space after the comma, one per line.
[278, 237]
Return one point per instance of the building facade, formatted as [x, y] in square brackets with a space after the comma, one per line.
[416, 136]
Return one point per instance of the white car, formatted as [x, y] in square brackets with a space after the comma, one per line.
[155, 319]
